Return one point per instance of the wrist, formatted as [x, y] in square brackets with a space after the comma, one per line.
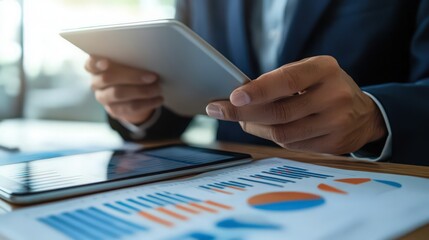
[378, 129]
[143, 118]
[138, 132]
[380, 148]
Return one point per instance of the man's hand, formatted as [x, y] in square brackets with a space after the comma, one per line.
[127, 94]
[310, 105]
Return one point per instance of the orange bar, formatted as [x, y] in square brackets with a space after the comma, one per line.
[186, 209]
[328, 188]
[156, 219]
[221, 191]
[203, 208]
[355, 181]
[270, 197]
[172, 214]
[237, 188]
[218, 205]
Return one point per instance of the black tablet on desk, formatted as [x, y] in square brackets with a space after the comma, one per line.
[54, 178]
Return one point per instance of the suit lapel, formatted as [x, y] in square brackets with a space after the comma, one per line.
[239, 37]
[307, 15]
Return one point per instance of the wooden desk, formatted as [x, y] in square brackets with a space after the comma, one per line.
[259, 152]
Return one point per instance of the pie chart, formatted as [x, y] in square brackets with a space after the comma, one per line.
[285, 201]
[358, 182]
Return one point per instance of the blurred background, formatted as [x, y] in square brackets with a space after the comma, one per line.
[42, 75]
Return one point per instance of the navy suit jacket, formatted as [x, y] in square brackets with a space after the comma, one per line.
[382, 44]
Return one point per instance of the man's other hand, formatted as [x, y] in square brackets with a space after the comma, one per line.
[128, 94]
[310, 105]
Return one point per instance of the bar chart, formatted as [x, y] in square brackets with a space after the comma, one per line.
[274, 177]
[110, 219]
[91, 223]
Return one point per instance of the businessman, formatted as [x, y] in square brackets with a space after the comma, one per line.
[330, 76]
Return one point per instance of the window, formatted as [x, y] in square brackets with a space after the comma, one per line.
[57, 84]
[10, 59]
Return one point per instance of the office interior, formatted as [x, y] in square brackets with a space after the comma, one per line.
[46, 102]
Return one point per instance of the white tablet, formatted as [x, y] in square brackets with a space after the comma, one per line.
[192, 72]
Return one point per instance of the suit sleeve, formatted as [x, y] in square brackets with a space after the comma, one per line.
[407, 104]
[168, 126]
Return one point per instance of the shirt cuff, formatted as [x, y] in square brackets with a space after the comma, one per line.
[139, 131]
[386, 152]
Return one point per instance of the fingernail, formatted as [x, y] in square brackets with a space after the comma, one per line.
[148, 79]
[214, 111]
[102, 65]
[239, 98]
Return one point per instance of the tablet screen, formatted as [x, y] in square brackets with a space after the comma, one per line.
[96, 167]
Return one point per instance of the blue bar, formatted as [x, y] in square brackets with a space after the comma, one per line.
[233, 184]
[101, 226]
[151, 201]
[138, 203]
[160, 199]
[309, 173]
[269, 178]
[172, 198]
[128, 206]
[83, 226]
[116, 208]
[107, 221]
[73, 226]
[187, 198]
[205, 187]
[211, 185]
[281, 173]
[272, 178]
[271, 184]
[288, 171]
[261, 178]
[278, 178]
[64, 229]
[119, 220]
[296, 168]
[293, 174]
[244, 184]
[281, 177]
[222, 184]
[303, 173]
